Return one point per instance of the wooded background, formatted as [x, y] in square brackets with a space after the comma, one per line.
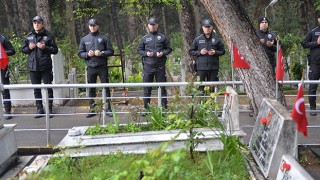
[125, 22]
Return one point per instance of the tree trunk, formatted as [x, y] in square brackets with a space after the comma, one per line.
[24, 17]
[116, 28]
[163, 14]
[71, 29]
[235, 26]
[132, 31]
[16, 23]
[187, 24]
[43, 10]
[7, 13]
[197, 17]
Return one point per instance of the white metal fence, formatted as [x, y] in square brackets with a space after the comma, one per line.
[123, 85]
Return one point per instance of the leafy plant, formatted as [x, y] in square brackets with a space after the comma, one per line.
[156, 118]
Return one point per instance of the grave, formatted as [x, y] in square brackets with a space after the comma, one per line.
[273, 136]
[230, 112]
[76, 143]
[290, 169]
[8, 144]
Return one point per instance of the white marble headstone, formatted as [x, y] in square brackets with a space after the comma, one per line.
[273, 136]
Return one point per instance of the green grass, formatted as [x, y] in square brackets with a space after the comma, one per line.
[154, 165]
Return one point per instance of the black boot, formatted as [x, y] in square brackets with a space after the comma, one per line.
[313, 109]
[109, 111]
[8, 114]
[50, 111]
[40, 112]
[146, 103]
[92, 112]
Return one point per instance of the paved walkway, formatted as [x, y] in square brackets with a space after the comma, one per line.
[30, 132]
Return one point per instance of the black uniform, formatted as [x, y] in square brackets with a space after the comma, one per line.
[40, 62]
[154, 67]
[5, 75]
[310, 42]
[207, 65]
[270, 51]
[96, 65]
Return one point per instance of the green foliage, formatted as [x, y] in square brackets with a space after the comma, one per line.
[156, 118]
[115, 74]
[156, 164]
[135, 78]
[131, 56]
[298, 61]
[225, 73]
[131, 127]
[19, 61]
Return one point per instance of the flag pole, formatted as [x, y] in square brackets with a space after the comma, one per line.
[277, 83]
[296, 132]
[231, 60]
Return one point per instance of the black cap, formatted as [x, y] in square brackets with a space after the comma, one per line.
[152, 21]
[263, 18]
[37, 18]
[206, 22]
[318, 16]
[93, 21]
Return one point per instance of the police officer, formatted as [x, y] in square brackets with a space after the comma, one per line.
[5, 78]
[95, 48]
[207, 48]
[154, 48]
[39, 44]
[268, 40]
[312, 42]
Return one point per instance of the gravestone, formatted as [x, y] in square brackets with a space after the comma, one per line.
[1, 113]
[230, 112]
[289, 168]
[273, 136]
[8, 144]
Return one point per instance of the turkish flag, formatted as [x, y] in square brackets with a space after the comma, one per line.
[238, 60]
[298, 113]
[4, 59]
[280, 66]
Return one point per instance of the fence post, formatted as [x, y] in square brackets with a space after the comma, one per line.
[103, 106]
[159, 97]
[72, 77]
[47, 118]
[215, 98]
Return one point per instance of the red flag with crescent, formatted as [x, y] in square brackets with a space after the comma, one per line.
[298, 113]
[238, 60]
[4, 59]
[280, 66]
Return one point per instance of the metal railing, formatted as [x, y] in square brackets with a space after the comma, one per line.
[124, 85]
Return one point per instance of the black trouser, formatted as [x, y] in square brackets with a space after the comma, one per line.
[92, 75]
[5, 79]
[209, 75]
[47, 78]
[314, 74]
[159, 73]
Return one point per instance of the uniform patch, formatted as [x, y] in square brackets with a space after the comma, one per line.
[99, 40]
[30, 38]
[317, 33]
[269, 36]
[148, 39]
[202, 41]
[213, 40]
[45, 38]
[158, 37]
[87, 42]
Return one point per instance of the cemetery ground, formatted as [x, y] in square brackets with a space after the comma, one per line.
[35, 141]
